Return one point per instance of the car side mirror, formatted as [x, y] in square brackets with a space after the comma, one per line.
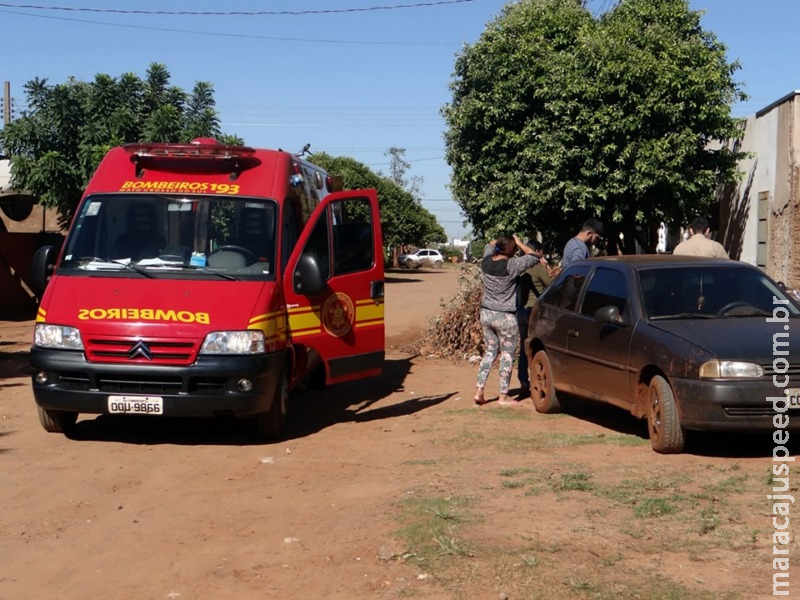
[608, 314]
[42, 267]
[308, 276]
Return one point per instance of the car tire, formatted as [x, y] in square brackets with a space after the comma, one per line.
[663, 423]
[57, 421]
[438, 264]
[270, 425]
[543, 392]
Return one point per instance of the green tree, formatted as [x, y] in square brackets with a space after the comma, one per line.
[403, 219]
[557, 116]
[57, 143]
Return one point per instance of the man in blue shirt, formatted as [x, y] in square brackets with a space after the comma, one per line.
[577, 248]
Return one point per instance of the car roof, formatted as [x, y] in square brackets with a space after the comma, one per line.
[638, 261]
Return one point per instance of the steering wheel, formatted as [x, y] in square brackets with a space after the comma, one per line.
[731, 305]
[241, 250]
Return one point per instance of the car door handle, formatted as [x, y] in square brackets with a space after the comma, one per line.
[573, 333]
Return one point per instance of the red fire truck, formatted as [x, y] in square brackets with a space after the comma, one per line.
[203, 280]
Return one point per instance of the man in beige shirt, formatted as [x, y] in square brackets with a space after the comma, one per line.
[698, 243]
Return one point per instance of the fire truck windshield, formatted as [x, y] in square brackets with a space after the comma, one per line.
[166, 235]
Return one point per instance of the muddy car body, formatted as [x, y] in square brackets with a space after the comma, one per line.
[689, 343]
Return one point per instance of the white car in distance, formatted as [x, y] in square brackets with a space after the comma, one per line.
[422, 257]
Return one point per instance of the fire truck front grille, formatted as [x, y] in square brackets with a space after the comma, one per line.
[142, 351]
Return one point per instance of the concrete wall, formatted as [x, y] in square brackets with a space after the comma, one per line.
[772, 171]
[23, 227]
[17, 299]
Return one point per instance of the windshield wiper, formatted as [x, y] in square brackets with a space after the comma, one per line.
[84, 260]
[756, 312]
[205, 270]
[685, 315]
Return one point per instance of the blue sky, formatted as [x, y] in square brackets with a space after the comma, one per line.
[348, 80]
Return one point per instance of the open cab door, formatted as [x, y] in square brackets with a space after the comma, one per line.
[334, 286]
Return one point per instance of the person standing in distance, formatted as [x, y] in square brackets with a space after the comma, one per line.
[699, 243]
[577, 248]
[530, 286]
[498, 313]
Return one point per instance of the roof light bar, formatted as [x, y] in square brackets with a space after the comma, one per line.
[203, 150]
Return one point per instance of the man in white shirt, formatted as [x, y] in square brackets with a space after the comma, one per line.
[698, 243]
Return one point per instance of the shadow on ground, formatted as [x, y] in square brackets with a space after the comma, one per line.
[310, 411]
[700, 443]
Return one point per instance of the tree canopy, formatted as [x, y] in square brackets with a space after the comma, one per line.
[57, 143]
[403, 218]
[558, 116]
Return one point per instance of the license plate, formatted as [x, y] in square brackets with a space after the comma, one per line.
[793, 398]
[136, 405]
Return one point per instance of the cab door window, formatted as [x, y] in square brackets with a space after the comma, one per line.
[353, 244]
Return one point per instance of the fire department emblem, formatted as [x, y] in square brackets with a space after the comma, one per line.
[338, 314]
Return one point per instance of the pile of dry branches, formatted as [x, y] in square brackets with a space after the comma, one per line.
[456, 332]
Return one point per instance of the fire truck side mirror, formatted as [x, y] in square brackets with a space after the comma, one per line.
[42, 267]
[308, 279]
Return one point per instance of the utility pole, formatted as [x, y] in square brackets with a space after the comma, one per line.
[6, 103]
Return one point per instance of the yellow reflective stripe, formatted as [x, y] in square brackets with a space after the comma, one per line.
[273, 325]
[368, 310]
[303, 319]
[258, 318]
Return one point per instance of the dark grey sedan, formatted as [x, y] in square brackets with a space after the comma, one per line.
[689, 343]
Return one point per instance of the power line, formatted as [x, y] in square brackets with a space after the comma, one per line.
[231, 35]
[233, 13]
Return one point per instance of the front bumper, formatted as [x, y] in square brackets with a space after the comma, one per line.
[206, 388]
[707, 405]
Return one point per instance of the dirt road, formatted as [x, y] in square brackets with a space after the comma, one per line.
[397, 487]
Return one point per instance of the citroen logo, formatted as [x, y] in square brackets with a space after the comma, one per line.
[140, 349]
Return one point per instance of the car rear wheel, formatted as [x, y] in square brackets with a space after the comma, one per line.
[543, 393]
[663, 424]
[271, 423]
[57, 421]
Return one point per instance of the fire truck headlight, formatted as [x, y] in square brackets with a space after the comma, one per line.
[57, 336]
[234, 342]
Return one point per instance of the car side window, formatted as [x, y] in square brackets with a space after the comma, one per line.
[606, 288]
[564, 292]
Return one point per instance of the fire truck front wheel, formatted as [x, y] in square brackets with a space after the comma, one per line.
[57, 421]
[271, 423]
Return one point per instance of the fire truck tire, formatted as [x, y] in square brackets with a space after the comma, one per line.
[271, 423]
[316, 379]
[57, 421]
